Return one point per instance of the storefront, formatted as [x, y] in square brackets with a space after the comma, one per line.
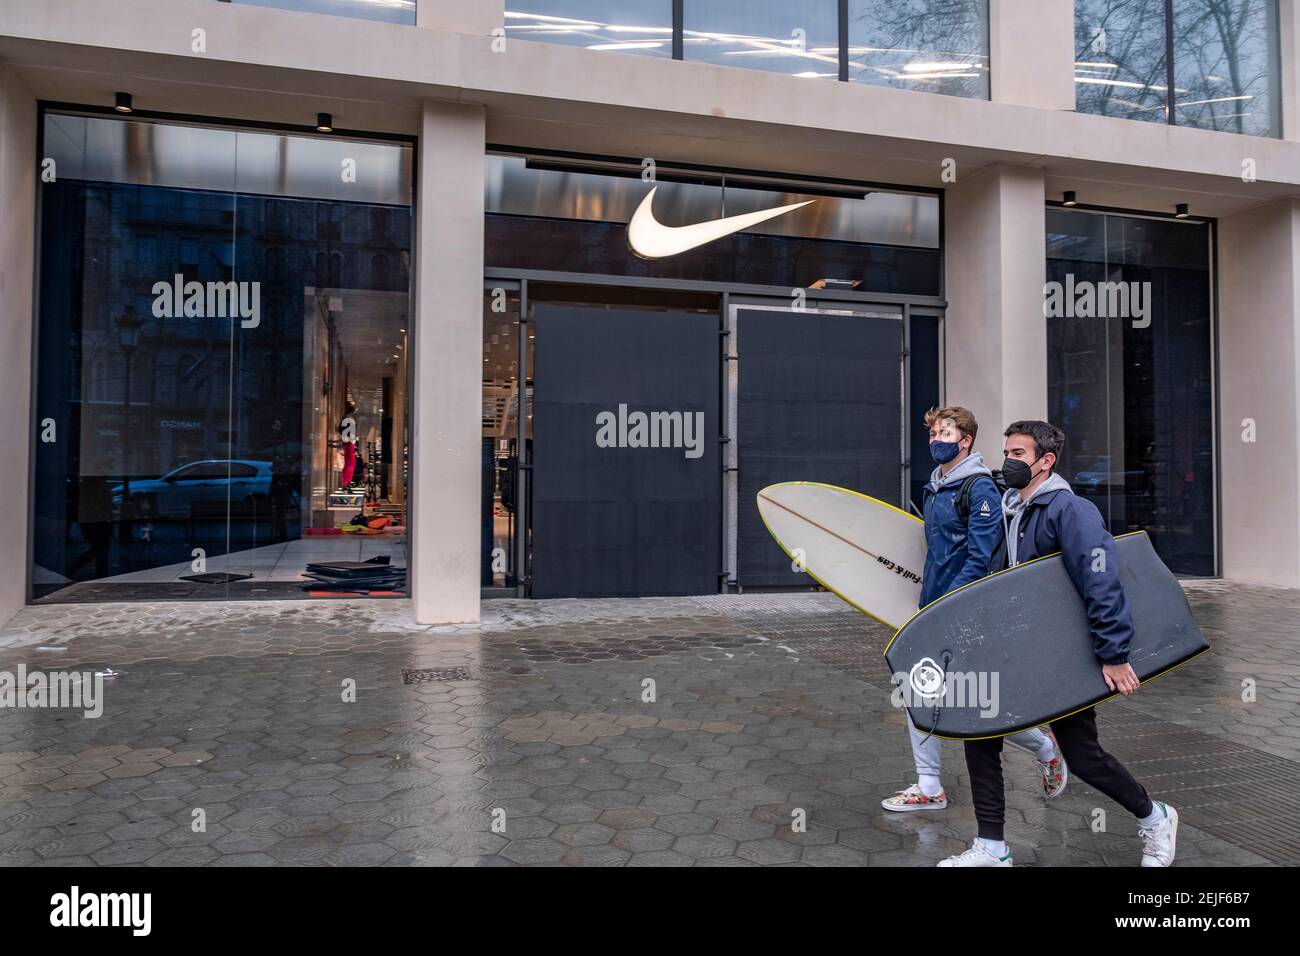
[223, 321]
[633, 406]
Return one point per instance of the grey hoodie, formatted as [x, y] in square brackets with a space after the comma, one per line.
[972, 464]
[1013, 509]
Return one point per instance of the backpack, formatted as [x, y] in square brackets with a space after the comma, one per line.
[964, 493]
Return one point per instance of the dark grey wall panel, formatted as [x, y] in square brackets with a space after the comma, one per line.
[819, 398]
[623, 521]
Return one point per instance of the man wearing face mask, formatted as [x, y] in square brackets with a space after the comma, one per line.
[963, 529]
[1044, 516]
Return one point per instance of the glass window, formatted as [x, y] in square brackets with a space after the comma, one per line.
[1226, 66]
[798, 39]
[389, 11]
[1226, 62]
[935, 46]
[1119, 67]
[1132, 386]
[230, 400]
[629, 26]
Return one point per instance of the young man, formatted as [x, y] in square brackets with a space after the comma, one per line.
[1043, 516]
[963, 528]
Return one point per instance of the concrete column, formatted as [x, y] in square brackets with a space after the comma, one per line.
[995, 336]
[446, 406]
[478, 17]
[18, 179]
[1289, 50]
[1259, 388]
[1031, 52]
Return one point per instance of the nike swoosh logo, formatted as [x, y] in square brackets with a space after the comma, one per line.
[651, 239]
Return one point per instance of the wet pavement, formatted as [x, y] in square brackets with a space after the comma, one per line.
[650, 732]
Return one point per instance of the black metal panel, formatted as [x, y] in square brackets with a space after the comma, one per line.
[819, 398]
[623, 521]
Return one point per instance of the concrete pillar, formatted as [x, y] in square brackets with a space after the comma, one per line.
[18, 179]
[995, 336]
[478, 17]
[1259, 352]
[446, 407]
[1031, 53]
[1289, 53]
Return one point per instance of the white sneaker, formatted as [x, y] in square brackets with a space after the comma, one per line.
[1158, 841]
[977, 856]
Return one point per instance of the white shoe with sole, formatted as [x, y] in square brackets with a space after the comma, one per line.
[977, 856]
[1158, 842]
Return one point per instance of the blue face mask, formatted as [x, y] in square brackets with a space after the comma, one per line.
[944, 451]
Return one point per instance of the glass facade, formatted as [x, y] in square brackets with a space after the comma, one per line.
[221, 360]
[935, 47]
[627, 26]
[388, 11]
[800, 39]
[1225, 69]
[1130, 380]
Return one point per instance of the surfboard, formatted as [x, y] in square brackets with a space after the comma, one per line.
[867, 552]
[1014, 650]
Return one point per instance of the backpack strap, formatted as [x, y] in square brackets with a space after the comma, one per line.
[963, 497]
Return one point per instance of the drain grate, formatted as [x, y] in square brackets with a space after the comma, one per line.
[430, 675]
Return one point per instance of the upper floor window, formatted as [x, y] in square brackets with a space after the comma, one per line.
[388, 11]
[1211, 64]
[935, 46]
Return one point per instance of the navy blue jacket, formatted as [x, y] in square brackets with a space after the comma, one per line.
[1059, 520]
[958, 553]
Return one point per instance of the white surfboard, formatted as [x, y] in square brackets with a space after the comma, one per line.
[867, 552]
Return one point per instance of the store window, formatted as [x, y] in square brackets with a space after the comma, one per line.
[228, 414]
[1225, 74]
[935, 46]
[1130, 376]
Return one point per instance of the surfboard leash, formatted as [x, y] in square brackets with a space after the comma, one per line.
[938, 700]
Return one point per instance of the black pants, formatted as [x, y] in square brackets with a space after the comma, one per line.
[1076, 737]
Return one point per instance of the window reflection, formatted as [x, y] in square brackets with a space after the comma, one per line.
[937, 46]
[388, 11]
[774, 35]
[622, 25]
[1225, 65]
[1226, 69]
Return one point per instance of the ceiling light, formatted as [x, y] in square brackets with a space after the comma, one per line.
[122, 102]
[1180, 211]
[1069, 198]
[324, 123]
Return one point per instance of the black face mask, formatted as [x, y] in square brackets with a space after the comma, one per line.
[1016, 473]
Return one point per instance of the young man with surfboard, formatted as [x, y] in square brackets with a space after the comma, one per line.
[963, 529]
[1043, 516]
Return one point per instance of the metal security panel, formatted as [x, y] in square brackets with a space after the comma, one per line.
[626, 498]
[818, 397]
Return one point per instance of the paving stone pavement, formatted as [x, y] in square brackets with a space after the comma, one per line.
[764, 705]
